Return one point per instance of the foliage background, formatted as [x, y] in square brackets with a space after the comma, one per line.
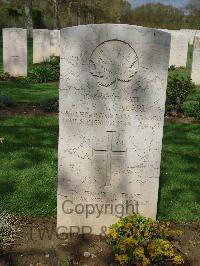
[63, 13]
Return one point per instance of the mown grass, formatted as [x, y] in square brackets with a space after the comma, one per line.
[28, 93]
[28, 159]
[180, 168]
[28, 173]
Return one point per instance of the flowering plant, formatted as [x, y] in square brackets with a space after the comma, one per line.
[136, 239]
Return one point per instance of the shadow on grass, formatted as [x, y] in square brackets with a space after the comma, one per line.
[6, 186]
[28, 159]
[30, 93]
[179, 195]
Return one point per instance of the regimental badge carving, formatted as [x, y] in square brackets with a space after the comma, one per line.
[113, 61]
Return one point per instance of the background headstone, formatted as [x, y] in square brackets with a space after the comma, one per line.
[41, 45]
[112, 104]
[55, 42]
[195, 74]
[15, 51]
[179, 49]
[190, 34]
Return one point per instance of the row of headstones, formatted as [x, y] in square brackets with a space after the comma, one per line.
[112, 102]
[179, 50]
[46, 43]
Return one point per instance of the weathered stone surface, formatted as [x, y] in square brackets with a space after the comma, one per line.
[190, 34]
[195, 74]
[41, 45]
[55, 42]
[179, 49]
[15, 51]
[112, 102]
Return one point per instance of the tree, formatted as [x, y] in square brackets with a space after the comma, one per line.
[28, 17]
[56, 6]
[193, 6]
[157, 16]
[194, 14]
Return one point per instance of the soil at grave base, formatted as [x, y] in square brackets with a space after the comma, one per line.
[38, 245]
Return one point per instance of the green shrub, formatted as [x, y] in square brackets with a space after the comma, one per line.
[38, 18]
[14, 12]
[191, 108]
[53, 62]
[5, 77]
[48, 71]
[178, 89]
[50, 105]
[172, 68]
[141, 241]
[6, 101]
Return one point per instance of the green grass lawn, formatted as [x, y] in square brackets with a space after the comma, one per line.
[28, 173]
[26, 93]
[180, 168]
[28, 159]
[30, 93]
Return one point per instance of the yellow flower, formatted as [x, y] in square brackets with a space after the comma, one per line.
[120, 223]
[131, 241]
[145, 262]
[136, 232]
[113, 233]
[179, 233]
[177, 260]
[122, 259]
[139, 252]
[122, 247]
[128, 225]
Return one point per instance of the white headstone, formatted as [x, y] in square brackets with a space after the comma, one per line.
[190, 34]
[15, 51]
[112, 104]
[41, 45]
[179, 49]
[195, 74]
[55, 42]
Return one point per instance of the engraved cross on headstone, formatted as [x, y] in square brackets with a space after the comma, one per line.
[110, 153]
